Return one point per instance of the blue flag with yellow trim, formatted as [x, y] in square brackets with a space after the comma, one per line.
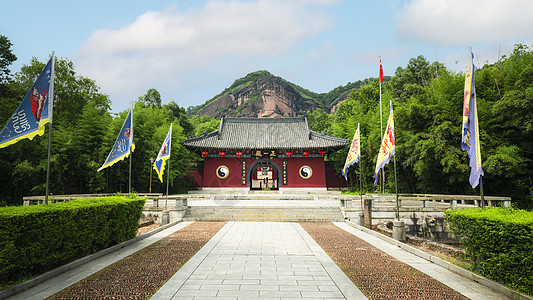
[388, 146]
[164, 154]
[124, 143]
[33, 113]
[470, 132]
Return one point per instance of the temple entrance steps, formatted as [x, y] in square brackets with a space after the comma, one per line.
[270, 206]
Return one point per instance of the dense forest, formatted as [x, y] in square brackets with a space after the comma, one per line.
[427, 100]
[426, 96]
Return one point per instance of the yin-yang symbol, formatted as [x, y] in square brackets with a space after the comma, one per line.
[306, 172]
[222, 172]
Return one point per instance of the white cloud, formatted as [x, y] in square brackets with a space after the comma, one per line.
[161, 47]
[460, 22]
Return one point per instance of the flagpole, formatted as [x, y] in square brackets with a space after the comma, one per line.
[168, 179]
[50, 109]
[396, 185]
[480, 177]
[481, 192]
[131, 153]
[360, 179]
[129, 177]
[168, 162]
[381, 127]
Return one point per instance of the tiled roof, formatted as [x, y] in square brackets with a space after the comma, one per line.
[264, 133]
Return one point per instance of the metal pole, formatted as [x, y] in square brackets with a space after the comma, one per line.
[50, 111]
[396, 184]
[48, 163]
[381, 136]
[151, 163]
[168, 162]
[168, 179]
[361, 182]
[481, 192]
[129, 179]
[131, 152]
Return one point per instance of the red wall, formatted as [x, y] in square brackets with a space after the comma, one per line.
[210, 168]
[318, 178]
[294, 180]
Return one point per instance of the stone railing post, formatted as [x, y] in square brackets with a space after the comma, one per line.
[367, 211]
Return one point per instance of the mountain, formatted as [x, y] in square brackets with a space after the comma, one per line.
[261, 94]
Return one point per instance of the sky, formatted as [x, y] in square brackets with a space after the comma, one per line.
[191, 50]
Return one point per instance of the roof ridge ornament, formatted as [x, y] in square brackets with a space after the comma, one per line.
[220, 127]
[308, 130]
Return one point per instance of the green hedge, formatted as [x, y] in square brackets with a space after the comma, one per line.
[38, 238]
[500, 243]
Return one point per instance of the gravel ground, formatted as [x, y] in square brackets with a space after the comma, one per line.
[377, 274]
[141, 274]
[148, 228]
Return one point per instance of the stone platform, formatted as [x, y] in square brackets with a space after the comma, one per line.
[264, 206]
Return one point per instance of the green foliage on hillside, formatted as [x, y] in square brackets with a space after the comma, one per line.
[426, 96]
[427, 100]
[324, 100]
[237, 85]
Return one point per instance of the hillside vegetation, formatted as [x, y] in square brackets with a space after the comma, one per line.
[426, 96]
[250, 83]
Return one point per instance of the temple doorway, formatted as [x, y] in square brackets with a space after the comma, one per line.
[264, 175]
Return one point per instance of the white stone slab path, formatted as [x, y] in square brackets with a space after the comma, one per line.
[260, 260]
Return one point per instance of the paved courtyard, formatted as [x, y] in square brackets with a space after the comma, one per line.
[263, 260]
[267, 260]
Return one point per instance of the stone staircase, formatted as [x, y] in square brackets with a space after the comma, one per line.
[267, 206]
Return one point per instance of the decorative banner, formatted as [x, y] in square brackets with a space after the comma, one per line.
[34, 111]
[284, 171]
[470, 137]
[164, 154]
[388, 146]
[353, 154]
[243, 173]
[123, 144]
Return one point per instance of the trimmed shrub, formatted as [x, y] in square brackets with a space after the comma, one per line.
[39, 238]
[500, 243]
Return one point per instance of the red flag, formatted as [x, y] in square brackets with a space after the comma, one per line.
[380, 72]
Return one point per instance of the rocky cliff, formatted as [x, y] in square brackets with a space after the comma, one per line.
[261, 94]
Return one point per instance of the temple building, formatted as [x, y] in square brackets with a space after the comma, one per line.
[265, 153]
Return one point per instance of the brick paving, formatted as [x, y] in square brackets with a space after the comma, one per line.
[377, 274]
[252, 260]
[260, 260]
[141, 274]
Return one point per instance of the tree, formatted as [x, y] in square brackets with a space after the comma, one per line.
[6, 59]
[319, 121]
[204, 124]
[151, 98]
[179, 113]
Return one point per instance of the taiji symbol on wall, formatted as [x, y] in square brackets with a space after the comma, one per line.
[222, 172]
[306, 172]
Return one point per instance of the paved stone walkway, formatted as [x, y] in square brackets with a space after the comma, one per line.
[267, 260]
